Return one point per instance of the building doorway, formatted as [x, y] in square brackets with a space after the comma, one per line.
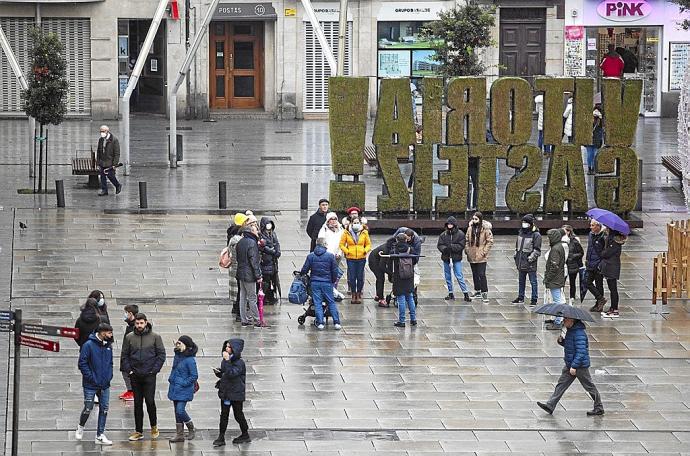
[522, 42]
[236, 57]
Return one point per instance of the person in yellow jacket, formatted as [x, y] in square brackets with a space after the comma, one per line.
[355, 244]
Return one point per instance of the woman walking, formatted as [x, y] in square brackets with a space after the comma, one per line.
[479, 240]
[574, 262]
[355, 245]
[610, 268]
[183, 377]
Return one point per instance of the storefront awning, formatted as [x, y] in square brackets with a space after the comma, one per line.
[245, 12]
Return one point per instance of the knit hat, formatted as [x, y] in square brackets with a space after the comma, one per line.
[323, 200]
[248, 212]
[529, 218]
[239, 219]
[354, 209]
[331, 215]
[186, 340]
[251, 219]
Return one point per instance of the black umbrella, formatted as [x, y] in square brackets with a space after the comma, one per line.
[583, 283]
[276, 281]
[564, 310]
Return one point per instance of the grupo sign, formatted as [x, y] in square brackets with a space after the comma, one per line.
[624, 10]
[465, 139]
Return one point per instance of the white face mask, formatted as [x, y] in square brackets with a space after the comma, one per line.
[525, 225]
[356, 227]
[101, 302]
[269, 226]
[103, 134]
[475, 220]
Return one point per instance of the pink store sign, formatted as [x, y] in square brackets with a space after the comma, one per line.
[647, 12]
[624, 10]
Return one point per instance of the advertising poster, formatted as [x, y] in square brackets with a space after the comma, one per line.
[423, 63]
[394, 64]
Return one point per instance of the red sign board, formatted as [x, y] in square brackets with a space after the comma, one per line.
[46, 330]
[42, 344]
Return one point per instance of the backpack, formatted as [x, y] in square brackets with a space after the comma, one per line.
[298, 291]
[225, 258]
[406, 268]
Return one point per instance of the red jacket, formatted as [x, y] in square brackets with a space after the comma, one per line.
[612, 66]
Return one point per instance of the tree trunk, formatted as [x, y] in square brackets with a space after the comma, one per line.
[40, 161]
[46, 174]
[34, 162]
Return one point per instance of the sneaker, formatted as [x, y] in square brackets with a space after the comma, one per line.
[118, 189]
[413, 322]
[337, 327]
[599, 306]
[238, 319]
[79, 433]
[102, 440]
[450, 297]
[399, 324]
[244, 438]
[485, 297]
[320, 327]
[102, 193]
[476, 294]
[545, 408]
[533, 302]
[595, 412]
[610, 314]
[383, 303]
[261, 324]
[154, 432]
[518, 300]
[246, 323]
[219, 442]
[128, 396]
[467, 297]
[136, 436]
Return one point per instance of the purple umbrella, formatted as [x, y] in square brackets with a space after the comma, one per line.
[610, 220]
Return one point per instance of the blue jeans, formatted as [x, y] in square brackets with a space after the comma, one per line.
[403, 301]
[355, 275]
[108, 173]
[103, 401]
[457, 270]
[557, 298]
[591, 155]
[320, 292]
[532, 281]
[181, 415]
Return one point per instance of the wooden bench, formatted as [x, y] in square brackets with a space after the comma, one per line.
[86, 167]
[673, 165]
[371, 159]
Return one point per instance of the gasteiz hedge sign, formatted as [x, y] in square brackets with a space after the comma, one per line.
[510, 115]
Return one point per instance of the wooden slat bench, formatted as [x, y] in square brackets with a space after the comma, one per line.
[86, 167]
[371, 159]
[672, 163]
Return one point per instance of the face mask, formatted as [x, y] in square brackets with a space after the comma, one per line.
[356, 227]
[525, 225]
[180, 347]
[126, 317]
[103, 135]
[269, 226]
[101, 302]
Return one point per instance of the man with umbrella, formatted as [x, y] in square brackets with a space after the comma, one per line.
[576, 357]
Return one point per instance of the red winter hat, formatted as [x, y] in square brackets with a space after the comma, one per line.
[354, 209]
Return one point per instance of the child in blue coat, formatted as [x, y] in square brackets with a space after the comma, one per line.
[182, 387]
[576, 356]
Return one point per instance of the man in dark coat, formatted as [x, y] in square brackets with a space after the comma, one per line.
[595, 281]
[451, 244]
[107, 158]
[378, 266]
[576, 358]
[527, 251]
[324, 272]
[249, 273]
[231, 390]
[629, 59]
[610, 268]
[143, 356]
[316, 221]
[96, 366]
[270, 252]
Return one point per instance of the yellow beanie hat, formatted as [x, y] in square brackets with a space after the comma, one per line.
[239, 219]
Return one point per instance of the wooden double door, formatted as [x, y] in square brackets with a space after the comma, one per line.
[236, 64]
[522, 42]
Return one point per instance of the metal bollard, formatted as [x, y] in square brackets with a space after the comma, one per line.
[143, 204]
[222, 195]
[60, 193]
[304, 196]
[180, 144]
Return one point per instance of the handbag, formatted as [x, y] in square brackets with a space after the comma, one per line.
[225, 258]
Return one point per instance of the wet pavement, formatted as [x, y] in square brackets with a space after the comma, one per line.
[465, 381]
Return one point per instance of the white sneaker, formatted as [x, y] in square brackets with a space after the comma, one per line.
[102, 440]
[320, 327]
[337, 327]
[79, 433]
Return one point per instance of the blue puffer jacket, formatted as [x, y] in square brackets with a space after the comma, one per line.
[96, 363]
[576, 346]
[183, 376]
[232, 373]
[322, 265]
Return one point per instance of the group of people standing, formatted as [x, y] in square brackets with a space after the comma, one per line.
[141, 359]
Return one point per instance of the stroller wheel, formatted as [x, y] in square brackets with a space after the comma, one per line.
[301, 319]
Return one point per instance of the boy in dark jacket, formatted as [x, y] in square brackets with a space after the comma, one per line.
[576, 357]
[527, 251]
[270, 252]
[96, 366]
[324, 272]
[249, 273]
[403, 286]
[574, 261]
[316, 221]
[131, 310]
[451, 244]
[378, 266]
[595, 281]
[231, 390]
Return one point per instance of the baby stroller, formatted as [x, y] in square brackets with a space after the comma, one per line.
[309, 305]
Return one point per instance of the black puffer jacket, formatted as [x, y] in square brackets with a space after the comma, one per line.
[400, 286]
[575, 255]
[530, 241]
[610, 265]
[377, 263]
[270, 252]
[248, 258]
[143, 353]
[90, 317]
[451, 243]
[594, 249]
[232, 373]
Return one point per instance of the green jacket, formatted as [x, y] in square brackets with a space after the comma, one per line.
[554, 275]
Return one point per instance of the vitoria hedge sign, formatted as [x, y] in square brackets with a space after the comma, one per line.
[510, 116]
